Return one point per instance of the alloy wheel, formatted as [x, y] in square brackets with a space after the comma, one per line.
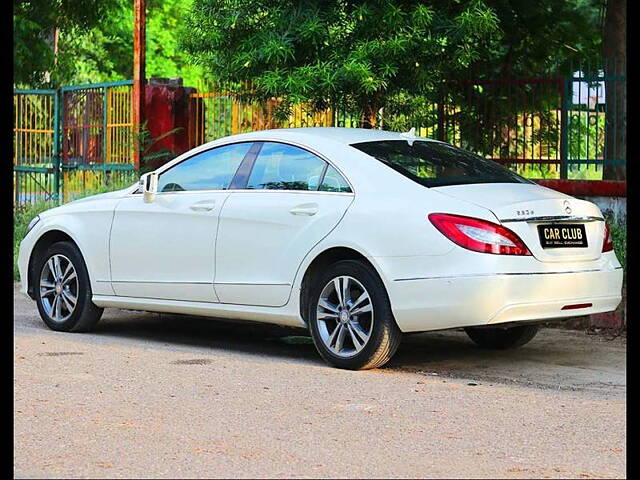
[59, 288]
[345, 316]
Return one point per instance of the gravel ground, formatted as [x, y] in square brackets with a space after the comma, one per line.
[149, 395]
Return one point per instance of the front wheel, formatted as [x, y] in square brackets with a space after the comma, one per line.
[63, 291]
[350, 317]
[502, 338]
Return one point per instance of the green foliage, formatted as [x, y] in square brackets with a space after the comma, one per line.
[619, 235]
[373, 53]
[34, 24]
[586, 135]
[165, 57]
[541, 36]
[618, 228]
[86, 183]
[584, 172]
[96, 47]
[106, 52]
[363, 53]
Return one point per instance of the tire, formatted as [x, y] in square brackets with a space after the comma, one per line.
[381, 333]
[80, 316]
[502, 338]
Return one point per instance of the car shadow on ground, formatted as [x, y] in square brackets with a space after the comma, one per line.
[448, 352]
[555, 358]
[208, 333]
[265, 339]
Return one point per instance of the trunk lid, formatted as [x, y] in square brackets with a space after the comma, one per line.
[521, 207]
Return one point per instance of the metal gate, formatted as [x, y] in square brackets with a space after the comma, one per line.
[36, 161]
[97, 138]
[72, 141]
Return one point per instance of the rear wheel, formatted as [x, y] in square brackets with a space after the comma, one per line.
[63, 291]
[502, 338]
[350, 317]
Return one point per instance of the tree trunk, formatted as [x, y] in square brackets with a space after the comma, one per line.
[369, 116]
[615, 52]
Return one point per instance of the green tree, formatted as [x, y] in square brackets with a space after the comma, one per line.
[364, 53]
[546, 38]
[542, 37]
[106, 51]
[96, 47]
[35, 23]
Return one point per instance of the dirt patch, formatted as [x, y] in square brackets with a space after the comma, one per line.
[58, 354]
[193, 361]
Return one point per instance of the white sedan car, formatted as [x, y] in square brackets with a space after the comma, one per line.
[357, 235]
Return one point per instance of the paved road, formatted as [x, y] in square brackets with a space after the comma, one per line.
[171, 396]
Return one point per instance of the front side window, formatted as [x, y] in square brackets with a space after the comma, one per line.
[435, 164]
[210, 170]
[285, 167]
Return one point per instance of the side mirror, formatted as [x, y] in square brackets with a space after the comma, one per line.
[149, 183]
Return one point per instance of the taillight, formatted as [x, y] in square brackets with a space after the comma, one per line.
[479, 235]
[607, 244]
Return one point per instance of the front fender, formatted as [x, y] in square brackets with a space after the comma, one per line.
[88, 226]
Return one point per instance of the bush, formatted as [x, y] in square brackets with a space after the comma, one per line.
[619, 234]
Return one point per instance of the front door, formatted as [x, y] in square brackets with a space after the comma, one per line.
[166, 249]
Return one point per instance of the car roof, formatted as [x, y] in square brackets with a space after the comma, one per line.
[329, 142]
[346, 136]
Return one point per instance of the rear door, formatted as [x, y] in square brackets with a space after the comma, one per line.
[291, 199]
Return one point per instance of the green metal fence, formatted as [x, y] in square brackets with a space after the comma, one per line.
[97, 137]
[570, 126]
[79, 139]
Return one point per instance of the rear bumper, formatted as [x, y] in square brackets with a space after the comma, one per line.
[451, 302]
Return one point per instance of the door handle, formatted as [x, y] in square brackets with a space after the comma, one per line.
[305, 209]
[204, 206]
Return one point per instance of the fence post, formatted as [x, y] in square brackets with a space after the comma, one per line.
[56, 144]
[564, 126]
[105, 133]
[17, 178]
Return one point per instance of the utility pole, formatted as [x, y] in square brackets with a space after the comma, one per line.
[139, 47]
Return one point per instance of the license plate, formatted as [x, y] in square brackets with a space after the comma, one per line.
[562, 235]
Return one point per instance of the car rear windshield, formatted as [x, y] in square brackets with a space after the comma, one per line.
[436, 164]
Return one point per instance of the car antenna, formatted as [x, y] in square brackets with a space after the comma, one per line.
[410, 135]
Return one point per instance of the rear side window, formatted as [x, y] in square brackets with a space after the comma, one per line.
[285, 167]
[334, 182]
[210, 170]
[435, 164]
